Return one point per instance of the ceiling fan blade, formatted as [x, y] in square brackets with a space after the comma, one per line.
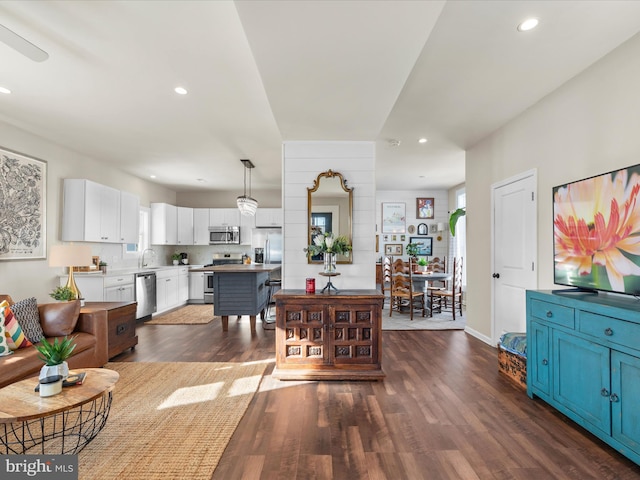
[21, 45]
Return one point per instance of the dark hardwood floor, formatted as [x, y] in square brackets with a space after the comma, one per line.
[443, 412]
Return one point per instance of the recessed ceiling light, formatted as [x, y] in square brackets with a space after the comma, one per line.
[180, 90]
[528, 24]
[201, 180]
[5, 90]
[422, 140]
[152, 176]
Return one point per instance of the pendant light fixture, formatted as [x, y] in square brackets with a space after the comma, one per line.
[246, 204]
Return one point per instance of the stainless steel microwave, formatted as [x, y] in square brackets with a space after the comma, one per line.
[224, 235]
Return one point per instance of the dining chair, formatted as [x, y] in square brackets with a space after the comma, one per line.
[439, 299]
[402, 288]
[437, 266]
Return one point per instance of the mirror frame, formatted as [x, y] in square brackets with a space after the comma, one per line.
[349, 191]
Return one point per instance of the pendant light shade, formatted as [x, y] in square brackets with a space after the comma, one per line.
[246, 204]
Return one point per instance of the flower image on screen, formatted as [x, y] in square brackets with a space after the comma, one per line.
[596, 230]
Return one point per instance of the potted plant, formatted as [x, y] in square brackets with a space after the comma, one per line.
[63, 294]
[54, 356]
[412, 249]
[176, 258]
[422, 264]
[330, 246]
[103, 266]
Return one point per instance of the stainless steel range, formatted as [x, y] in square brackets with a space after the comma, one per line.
[218, 259]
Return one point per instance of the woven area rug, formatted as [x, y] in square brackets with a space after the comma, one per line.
[440, 321]
[187, 315]
[170, 420]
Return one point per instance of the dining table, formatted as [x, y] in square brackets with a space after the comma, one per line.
[421, 280]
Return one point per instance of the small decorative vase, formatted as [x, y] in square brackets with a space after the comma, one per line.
[329, 263]
[61, 369]
[175, 262]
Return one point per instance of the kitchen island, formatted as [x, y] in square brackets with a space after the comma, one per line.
[239, 290]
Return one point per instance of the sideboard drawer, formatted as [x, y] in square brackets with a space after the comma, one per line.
[610, 329]
[551, 312]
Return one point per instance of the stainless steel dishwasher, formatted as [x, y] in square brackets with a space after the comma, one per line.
[145, 294]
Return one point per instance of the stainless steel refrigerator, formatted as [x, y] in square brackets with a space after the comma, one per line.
[271, 240]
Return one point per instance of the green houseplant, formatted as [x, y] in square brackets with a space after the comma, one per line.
[63, 294]
[54, 356]
[412, 249]
[175, 257]
[422, 264]
[453, 219]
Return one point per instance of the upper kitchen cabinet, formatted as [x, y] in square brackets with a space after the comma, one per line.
[91, 212]
[269, 217]
[201, 226]
[164, 224]
[129, 217]
[185, 226]
[224, 217]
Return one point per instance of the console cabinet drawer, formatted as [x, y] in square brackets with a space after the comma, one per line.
[610, 329]
[551, 312]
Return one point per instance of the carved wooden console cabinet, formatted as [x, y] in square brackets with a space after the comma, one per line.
[321, 336]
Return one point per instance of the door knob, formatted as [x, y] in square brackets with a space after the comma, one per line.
[496, 275]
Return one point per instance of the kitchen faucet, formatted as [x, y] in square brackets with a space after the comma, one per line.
[142, 264]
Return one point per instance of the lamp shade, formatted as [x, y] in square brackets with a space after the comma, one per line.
[70, 256]
[247, 205]
[440, 227]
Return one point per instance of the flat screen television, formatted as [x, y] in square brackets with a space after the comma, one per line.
[596, 232]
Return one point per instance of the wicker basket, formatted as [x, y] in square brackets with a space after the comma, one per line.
[513, 366]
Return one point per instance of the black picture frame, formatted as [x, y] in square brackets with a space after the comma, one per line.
[423, 229]
[425, 245]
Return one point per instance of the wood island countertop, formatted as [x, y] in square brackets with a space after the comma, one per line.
[254, 267]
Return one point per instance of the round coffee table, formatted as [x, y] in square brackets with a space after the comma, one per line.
[57, 425]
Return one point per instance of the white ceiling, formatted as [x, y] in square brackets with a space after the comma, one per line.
[263, 72]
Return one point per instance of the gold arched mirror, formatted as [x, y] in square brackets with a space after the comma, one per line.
[330, 209]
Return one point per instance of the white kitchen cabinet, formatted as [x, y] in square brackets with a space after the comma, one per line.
[164, 224]
[119, 288]
[91, 212]
[129, 217]
[185, 225]
[172, 288]
[183, 285]
[101, 288]
[268, 217]
[201, 226]
[222, 217]
[196, 287]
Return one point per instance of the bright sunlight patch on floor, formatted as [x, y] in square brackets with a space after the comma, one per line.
[244, 386]
[191, 395]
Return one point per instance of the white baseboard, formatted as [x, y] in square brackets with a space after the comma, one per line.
[479, 336]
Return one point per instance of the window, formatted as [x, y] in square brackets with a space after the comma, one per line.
[143, 234]
[459, 242]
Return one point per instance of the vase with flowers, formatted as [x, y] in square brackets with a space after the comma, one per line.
[330, 246]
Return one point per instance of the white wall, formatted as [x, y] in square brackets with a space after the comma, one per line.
[27, 278]
[302, 162]
[588, 126]
[441, 215]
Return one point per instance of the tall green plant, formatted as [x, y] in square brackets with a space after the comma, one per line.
[453, 219]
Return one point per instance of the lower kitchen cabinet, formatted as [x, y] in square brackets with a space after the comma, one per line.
[104, 288]
[585, 362]
[172, 288]
[196, 287]
[333, 336]
[121, 320]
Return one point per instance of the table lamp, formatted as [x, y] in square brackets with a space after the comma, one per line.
[70, 256]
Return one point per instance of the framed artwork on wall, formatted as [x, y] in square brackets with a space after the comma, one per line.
[393, 217]
[393, 249]
[423, 229]
[23, 183]
[425, 245]
[424, 208]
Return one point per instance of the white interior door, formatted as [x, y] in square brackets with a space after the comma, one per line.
[514, 251]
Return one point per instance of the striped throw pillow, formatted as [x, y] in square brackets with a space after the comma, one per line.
[13, 332]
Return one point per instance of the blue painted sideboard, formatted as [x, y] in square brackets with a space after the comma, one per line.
[584, 360]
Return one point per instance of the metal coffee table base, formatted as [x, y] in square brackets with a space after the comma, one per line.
[62, 433]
